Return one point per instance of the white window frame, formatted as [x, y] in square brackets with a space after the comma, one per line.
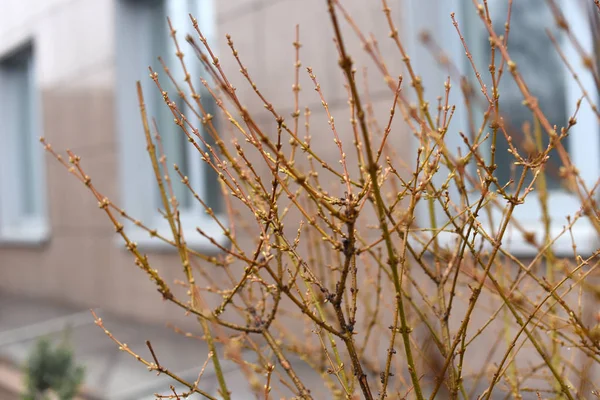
[138, 185]
[584, 149]
[17, 225]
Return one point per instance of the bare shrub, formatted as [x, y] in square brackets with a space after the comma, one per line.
[328, 265]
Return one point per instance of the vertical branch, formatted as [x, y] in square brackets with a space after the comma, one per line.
[175, 225]
[372, 168]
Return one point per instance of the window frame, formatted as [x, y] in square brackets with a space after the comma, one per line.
[16, 226]
[585, 150]
[137, 180]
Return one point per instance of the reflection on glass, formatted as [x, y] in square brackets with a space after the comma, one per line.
[542, 70]
[176, 146]
[21, 76]
[174, 140]
[210, 178]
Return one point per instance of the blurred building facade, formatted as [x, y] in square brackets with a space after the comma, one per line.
[68, 70]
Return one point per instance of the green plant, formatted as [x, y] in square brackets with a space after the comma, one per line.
[328, 266]
[51, 372]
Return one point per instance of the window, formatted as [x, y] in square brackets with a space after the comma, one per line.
[143, 36]
[547, 77]
[23, 214]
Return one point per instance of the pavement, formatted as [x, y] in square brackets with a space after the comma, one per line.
[113, 374]
[110, 373]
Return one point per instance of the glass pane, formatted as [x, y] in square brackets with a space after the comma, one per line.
[174, 141]
[175, 146]
[211, 180]
[23, 100]
[541, 68]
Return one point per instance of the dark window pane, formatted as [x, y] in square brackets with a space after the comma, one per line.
[210, 179]
[542, 70]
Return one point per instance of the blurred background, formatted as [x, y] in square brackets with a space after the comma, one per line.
[67, 72]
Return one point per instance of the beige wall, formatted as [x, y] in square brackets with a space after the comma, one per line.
[74, 44]
[82, 263]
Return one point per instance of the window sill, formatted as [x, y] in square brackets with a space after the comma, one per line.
[24, 236]
[193, 239]
[584, 236]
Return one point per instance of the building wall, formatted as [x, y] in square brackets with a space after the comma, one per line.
[83, 263]
[72, 42]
